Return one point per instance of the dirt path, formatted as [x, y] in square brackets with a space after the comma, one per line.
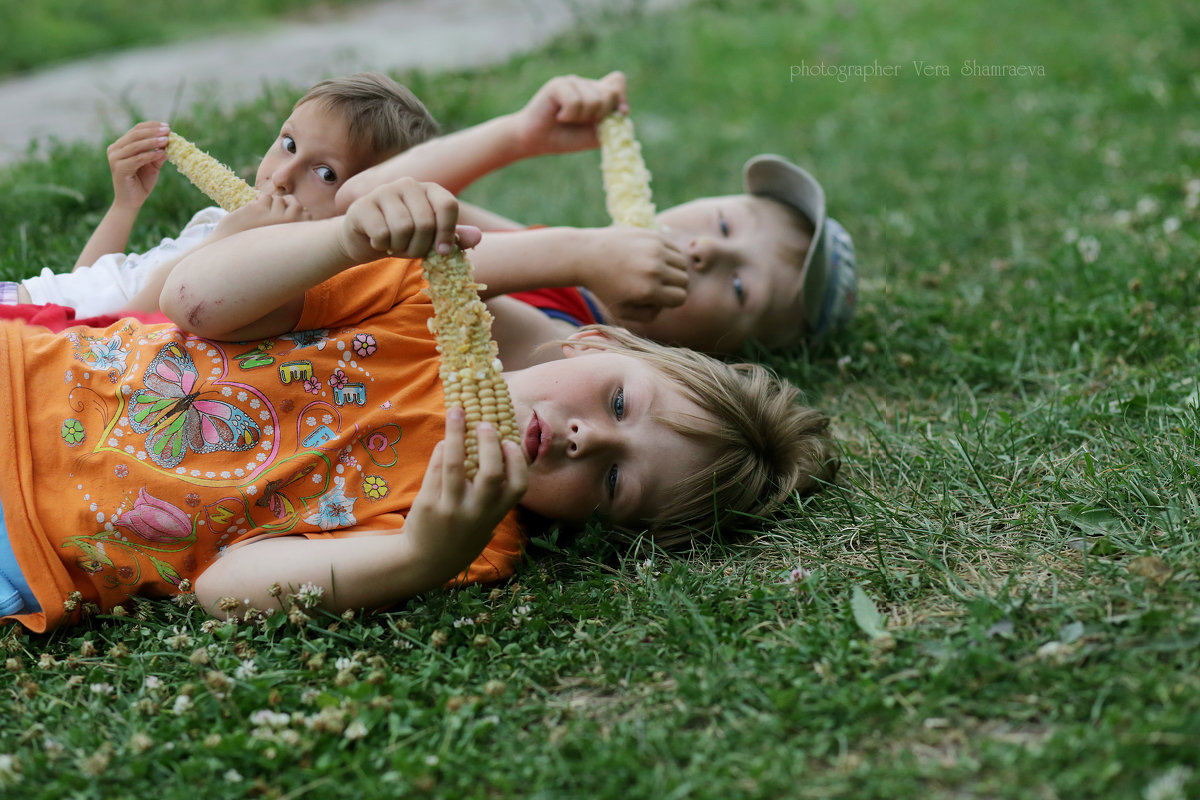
[82, 100]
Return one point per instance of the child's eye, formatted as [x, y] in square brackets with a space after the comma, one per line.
[619, 403]
[723, 224]
[611, 481]
[739, 291]
[288, 142]
[327, 175]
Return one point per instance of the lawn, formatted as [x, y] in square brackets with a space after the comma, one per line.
[53, 31]
[998, 599]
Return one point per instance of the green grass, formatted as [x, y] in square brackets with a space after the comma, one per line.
[53, 31]
[1018, 507]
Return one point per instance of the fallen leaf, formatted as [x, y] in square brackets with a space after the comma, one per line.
[1151, 567]
[866, 614]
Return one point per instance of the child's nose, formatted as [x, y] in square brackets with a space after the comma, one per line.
[587, 439]
[709, 254]
[701, 253]
[283, 178]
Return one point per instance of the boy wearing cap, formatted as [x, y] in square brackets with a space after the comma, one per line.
[768, 265]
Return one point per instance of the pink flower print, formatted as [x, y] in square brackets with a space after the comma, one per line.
[121, 471]
[338, 379]
[363, 344]
[312, 385]
[155, 520]
[192, 499]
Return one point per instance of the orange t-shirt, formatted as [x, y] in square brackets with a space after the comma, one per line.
[136, 452]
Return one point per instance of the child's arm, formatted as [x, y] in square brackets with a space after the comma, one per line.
[450, 523]
[633, 272]
[560, 118]
[266, 209]
[252, 285]
[135, 160]
[469, 214]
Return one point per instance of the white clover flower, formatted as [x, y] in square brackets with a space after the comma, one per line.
[10, 770]
[246, 670]
[105, 689]
[799, 574]
[289, 738]
[232, 776]
[355, 730]
[1168, 786]
[266, 718]
[1089, 249]
[1146, 206]
[463, 621]
[309, 595]
[1071, 235]
[1171, 225]
[1122, 218]
[152, 683]
[182, 705]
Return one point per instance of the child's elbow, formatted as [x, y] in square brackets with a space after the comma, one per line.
[184, 308]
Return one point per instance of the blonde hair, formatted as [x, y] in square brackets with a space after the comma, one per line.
[766, 445]
[382, 116]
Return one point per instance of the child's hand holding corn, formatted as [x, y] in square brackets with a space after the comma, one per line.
[266, 209]
[454, 515]
[634, 272]
[561, 117]
[404, 218]
[136, 160]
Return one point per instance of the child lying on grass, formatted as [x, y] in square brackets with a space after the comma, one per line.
[288, 434]
[769, 265]
[338, 128]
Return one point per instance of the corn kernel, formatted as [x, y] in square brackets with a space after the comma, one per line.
[208, 175]
[626, 179]
[469, 356]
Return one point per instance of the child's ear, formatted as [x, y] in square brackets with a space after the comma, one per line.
[577, 343]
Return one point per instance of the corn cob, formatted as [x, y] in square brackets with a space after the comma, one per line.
[209, 175]
[626, 179]
[470, 367]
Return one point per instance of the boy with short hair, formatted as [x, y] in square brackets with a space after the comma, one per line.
[288, 447]
[769, 265]
[340, 127]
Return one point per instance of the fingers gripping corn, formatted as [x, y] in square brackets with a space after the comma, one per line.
[209, 175]
[470, 368]
[626, 179]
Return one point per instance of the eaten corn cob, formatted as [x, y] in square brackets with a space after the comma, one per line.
[470, 367]
[626, 179]
[209, 175]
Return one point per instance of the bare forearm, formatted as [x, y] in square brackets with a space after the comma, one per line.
[470, 214]
[110, 236]
[516, 261]
[252, 284]
[455, 161]
[353, 573]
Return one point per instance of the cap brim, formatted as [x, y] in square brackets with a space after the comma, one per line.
[773, 176]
